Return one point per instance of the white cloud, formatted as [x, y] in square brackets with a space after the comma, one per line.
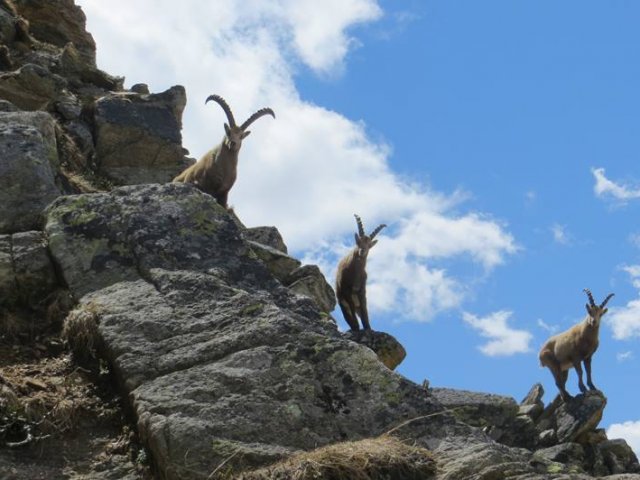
[505, 340]
[625, 321]
[624, 356]
[630, 431]
[545, 326]
[309, 170]
[606, 188]
[560, 234]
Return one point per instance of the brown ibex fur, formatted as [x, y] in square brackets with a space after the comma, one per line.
[216, 172]
[578, 344]
[351, 279]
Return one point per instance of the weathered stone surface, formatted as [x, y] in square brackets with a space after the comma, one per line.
[279, 264]
[547, 438]
[579, 415]
[477, 409]
[534, 397]
[7, 26]
[518, 432]
[34, 272]
[214, 353]
[471, 458]
[571, 454]
[27, 165]
[269, 236]
[8, 286]
[6, 106]
[308, 280]
[532, 411]
[389, 351]
[140, 88]
[618, 457]
[138, 137]
[31, 87]
[58, 22]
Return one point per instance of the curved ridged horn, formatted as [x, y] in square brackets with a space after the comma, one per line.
[376, 231]
[606, 300]
[260, 113]
[591, 300]
[227, 110]
[360, 227]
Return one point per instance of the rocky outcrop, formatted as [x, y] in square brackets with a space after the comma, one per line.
[144, 127]
[389, 351]
[93, 132]
[215, 354]
[27, 169]
[269, 236]
[58, 22]
[308, 280]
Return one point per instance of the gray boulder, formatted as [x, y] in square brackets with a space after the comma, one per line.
[31, 87]
[35, 276]
[27, 169]
[570, 454]
[618, 457]
[279, 264]
[308, 280]
[478, 409]
[138, 137]
[389, 351]
[269, 236]
[573, 419]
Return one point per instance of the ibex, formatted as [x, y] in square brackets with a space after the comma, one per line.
[216, 172]
[351, 279]
[578, 344]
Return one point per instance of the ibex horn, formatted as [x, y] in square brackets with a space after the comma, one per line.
[606, 300]
[360, 227]
[376, 231]
[591, 300]
[218, 99]
[260, 113]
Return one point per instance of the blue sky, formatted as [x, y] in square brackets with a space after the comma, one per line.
[498, 140]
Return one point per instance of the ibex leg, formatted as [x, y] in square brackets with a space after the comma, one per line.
[587, 367]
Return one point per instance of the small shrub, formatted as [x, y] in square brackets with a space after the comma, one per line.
[80, 330]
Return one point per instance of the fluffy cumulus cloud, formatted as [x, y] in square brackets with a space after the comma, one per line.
[605, 188]
[503, 339]
[311, 168]
[625, 321]
[630, 431]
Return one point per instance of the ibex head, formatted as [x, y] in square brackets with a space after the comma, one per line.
[363, 241]
[596, 311]
[235, 134]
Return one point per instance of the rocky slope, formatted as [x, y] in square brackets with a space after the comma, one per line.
[221, 344]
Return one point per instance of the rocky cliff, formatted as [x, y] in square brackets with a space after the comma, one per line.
[221, 346]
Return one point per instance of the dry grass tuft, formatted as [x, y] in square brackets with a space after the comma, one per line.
[80, 330]
[59, 304]
[382, 458]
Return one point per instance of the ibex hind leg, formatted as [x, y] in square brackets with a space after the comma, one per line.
[349, 316]
[559, 375]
